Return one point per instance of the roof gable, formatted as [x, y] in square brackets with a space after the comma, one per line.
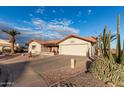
[88, 39]
[38, 41]
[55, 42]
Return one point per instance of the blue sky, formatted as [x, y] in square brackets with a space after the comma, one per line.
[57, 22]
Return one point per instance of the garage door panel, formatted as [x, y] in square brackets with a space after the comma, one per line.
[74, 50]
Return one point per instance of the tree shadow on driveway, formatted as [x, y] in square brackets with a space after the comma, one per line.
[10, 72]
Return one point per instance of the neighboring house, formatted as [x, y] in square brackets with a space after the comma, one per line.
[75, 45]
[5, 44]
[70, 45]
[40, 46]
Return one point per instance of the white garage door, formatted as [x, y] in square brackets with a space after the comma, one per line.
[80, 50]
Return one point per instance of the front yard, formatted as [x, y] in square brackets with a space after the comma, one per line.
[50, 71]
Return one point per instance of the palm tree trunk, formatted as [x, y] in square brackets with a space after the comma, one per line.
[12, 47]
[12, 41]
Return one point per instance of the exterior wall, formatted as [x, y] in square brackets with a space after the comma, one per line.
[36, 50]
[75, 46]
[41, 49]
[93, 51]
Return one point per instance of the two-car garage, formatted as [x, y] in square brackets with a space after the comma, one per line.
[80, 50]
[73, 45]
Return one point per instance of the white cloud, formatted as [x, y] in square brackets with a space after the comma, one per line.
[39, 23]
[22, 28]
[55, 28]
[63, 22]
[89, 11]
[41, 35]
[38, 28]
[63, 30]
[29, 32]
[40, 10]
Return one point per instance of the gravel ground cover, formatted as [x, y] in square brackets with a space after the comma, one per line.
[81, 80]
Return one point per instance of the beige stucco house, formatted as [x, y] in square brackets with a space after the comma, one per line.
[5, 44]
[70, 45]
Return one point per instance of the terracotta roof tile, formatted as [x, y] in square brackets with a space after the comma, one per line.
[52, 41]
[38, 41]
[45, 42]
[89, 39]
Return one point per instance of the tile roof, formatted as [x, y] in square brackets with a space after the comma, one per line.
[89, 39]
[52, 41]
[45, 42]
[38, 41]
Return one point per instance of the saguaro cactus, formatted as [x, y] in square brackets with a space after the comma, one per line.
[105, 40]
[118, 47]
[105, 44]
[122, 56]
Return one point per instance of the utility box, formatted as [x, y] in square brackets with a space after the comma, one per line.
[73, 63]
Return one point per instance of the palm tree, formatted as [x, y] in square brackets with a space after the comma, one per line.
[12, 34]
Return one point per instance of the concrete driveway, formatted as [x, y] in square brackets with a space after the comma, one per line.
[56, 62]
[42, 71]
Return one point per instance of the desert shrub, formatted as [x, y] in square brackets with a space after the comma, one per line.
[108, 71]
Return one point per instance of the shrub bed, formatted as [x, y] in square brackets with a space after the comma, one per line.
[107, 71]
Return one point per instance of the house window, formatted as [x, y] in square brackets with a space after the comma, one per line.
[33, 47]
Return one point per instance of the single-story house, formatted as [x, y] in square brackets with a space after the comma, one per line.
[70, 45]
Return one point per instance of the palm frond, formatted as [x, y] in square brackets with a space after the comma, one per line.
[11, 32]
[6, 31]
